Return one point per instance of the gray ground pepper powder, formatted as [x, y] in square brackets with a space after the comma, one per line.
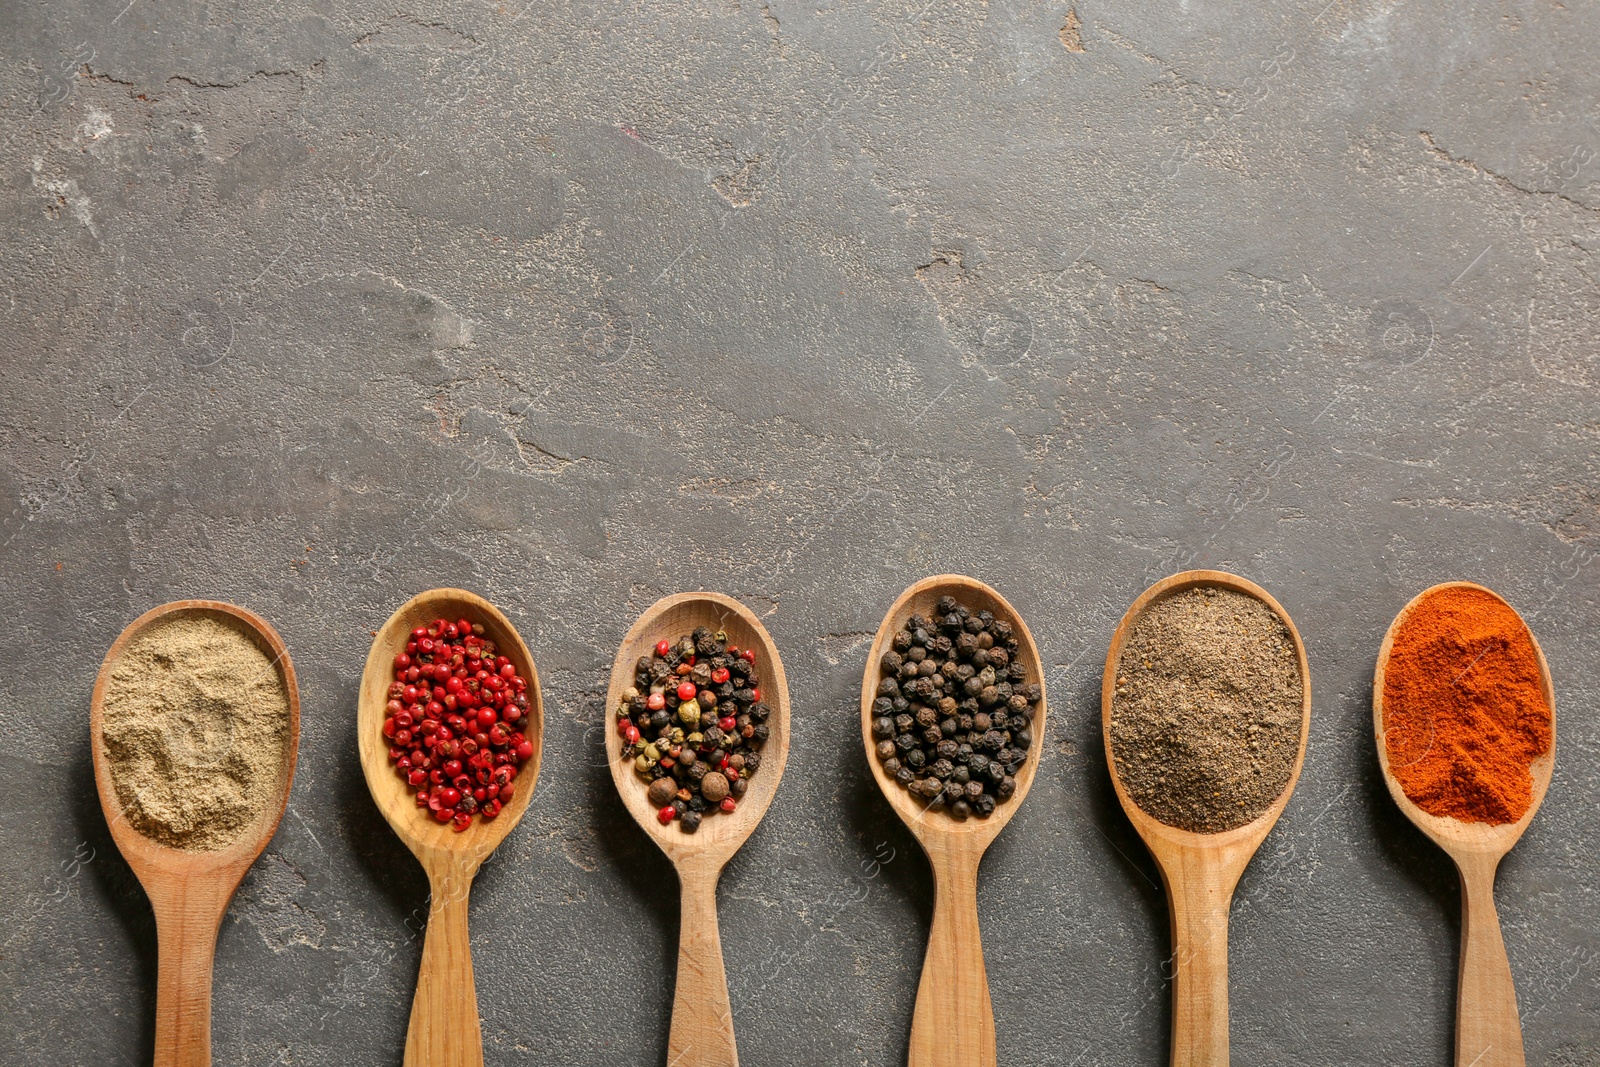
[196, 722]
[1206, 714]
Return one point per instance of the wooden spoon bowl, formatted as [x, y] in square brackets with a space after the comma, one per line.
[1200, 871]
[953, 1024]
[190, 890]
[702, 1016]
[444, 1029]
[1488, 1027]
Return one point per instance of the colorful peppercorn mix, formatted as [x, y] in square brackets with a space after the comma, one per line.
[692, 725]
[952, 717]
[452, 721]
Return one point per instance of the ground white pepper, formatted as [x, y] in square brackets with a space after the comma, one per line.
[196, 726]
[1206, 714]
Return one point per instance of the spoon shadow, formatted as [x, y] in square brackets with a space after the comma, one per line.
[642, 867]
[119, 890]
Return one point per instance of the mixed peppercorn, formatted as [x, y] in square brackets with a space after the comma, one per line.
[693, 724]
[952, 720]
[453, 722]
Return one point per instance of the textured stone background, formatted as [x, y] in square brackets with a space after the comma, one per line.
[580, 305]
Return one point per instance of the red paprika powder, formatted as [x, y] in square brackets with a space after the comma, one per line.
[1464, 711]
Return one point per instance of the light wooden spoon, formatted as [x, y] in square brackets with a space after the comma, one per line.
[444, 1030]
[190, 891]
[702, 1017]
[1200, 871]
[1488, 1029]
[953, 1024]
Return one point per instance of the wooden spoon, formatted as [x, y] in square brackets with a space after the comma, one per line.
[1200, 871]
[189, 890]
[1488, 1029]
[444, 1029]
[953, 1024]
[702, 1017]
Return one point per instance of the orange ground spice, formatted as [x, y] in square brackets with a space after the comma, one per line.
[1464, 714]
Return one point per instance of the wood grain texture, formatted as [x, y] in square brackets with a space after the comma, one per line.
[190, 891]
[953, 1023]
[1200, 871]
[1488, 1027]
[702, 1033]
[445, 1030]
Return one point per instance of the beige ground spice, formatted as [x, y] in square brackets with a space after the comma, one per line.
[1206, 714]
[196, 723]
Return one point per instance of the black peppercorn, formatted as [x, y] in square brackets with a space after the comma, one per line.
[961, 707]
[690, 821]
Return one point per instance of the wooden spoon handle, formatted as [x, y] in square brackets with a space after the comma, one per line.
[702, 1015]
[186, 942]
[1488, 1029]
[444, 1028]
[1200, 973]
[953, 1025]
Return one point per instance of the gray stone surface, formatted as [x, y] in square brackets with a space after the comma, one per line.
[311, 307]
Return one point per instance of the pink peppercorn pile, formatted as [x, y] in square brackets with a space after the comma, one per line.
[452, 722]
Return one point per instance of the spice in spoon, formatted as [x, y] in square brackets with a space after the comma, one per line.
[693, 724]
[196, 720]
[453, 722]
[952, 720]
[1207, 712]
[1464, 707]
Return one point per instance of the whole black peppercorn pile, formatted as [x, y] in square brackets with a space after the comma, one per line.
[954, 711]
[693, 724]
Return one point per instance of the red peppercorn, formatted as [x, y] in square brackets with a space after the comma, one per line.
[461, 821]
[719, 675]
[633, 734]
[727, 804]
[402, 661]
[486, 718]
[748, 655]
[668, 813]
[755, 694]
[524, 750]
[686, 691]
[662, 648]
[727, 723]
[655, 702]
